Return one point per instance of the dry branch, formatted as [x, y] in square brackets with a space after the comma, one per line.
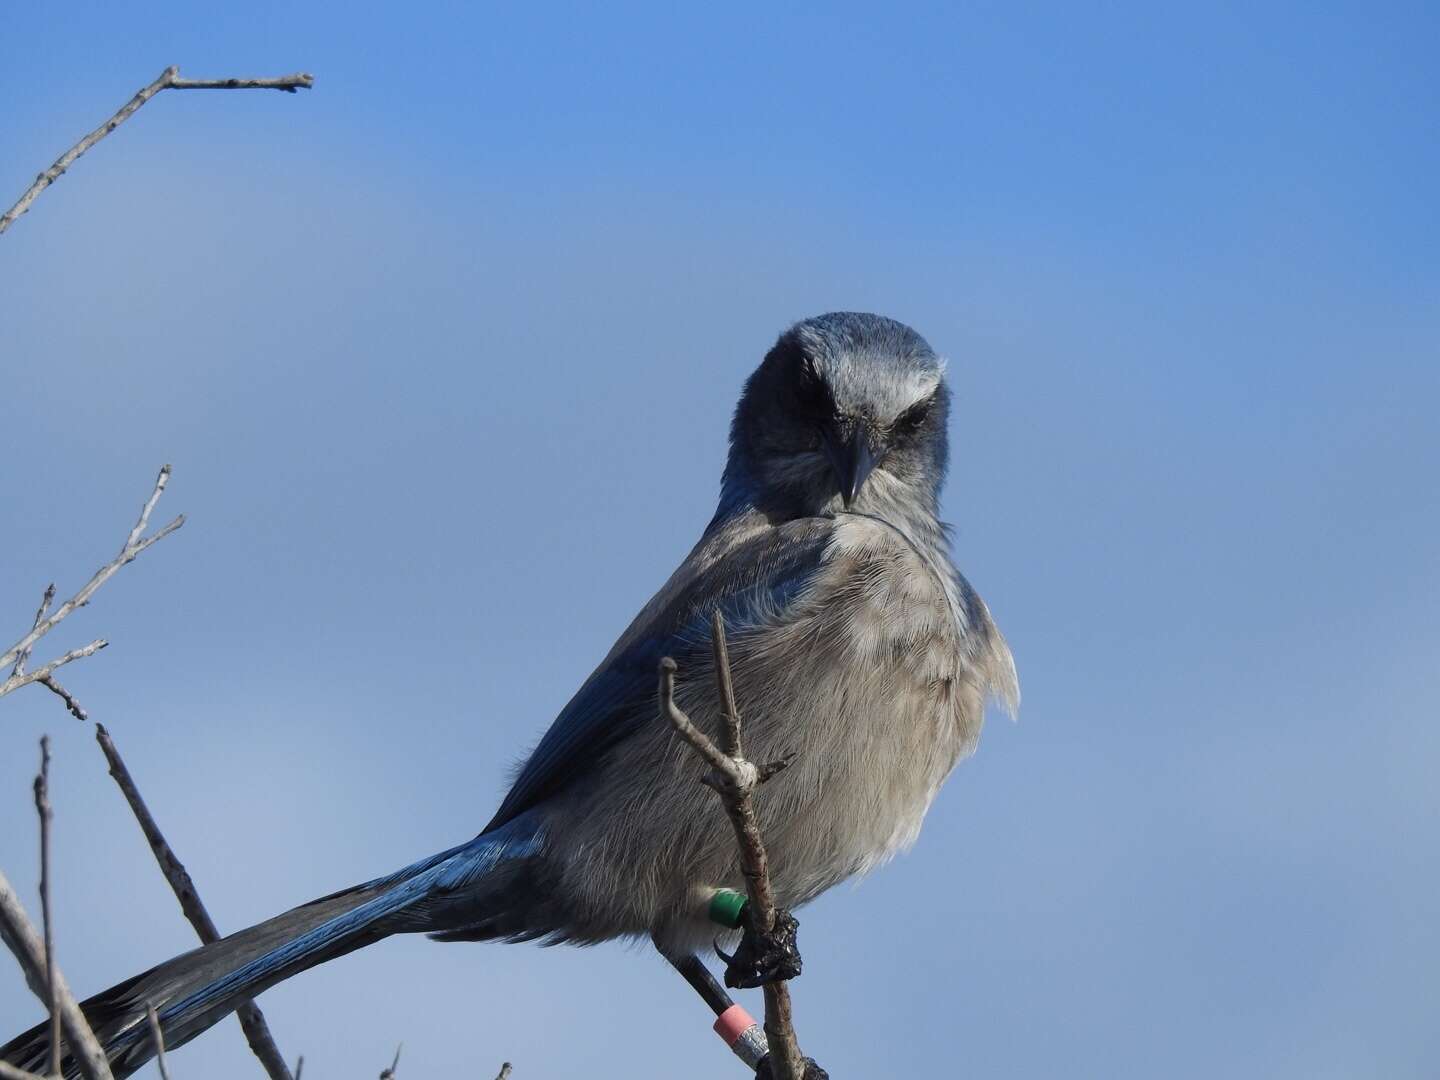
[45, 602]
[43, 677]
[20, 937]
[157, 1036]
[252, 1020]
[169, 80]
[65, 696]
[17, 654]
[46, 815]
[389, 1074]
[735, 780]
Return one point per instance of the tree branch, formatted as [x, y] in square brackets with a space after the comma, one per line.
[42, 674]
[252, 1020]
[288, 83]
[735, 780]
[389, 1074]
[169, 80]
[65, 696]
[17, 654]
[46, 815]
[157, 1035]
[20, 938]
[45, 602]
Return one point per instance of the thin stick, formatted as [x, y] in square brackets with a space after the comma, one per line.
[729, 711]
[169, 80]
[20, 937]
[159, 1037]
[70, 703]
[389, 1074]
[42, 674]
[735, 780]
[134, 545]
[45, 602]
[504, 1073]
[288, 83]
[252, 1020]
[47, 815]
[46, 680]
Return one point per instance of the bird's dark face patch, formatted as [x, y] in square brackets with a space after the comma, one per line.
[841, 401]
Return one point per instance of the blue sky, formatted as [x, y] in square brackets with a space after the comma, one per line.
[443, 353]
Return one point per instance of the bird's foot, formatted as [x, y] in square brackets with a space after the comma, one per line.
[812, 1070]
[765, 957]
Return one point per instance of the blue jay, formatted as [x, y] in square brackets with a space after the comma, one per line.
[856, 646]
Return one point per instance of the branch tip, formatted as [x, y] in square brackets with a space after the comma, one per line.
[169, 80]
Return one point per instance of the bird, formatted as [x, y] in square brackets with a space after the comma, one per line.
[859, 652]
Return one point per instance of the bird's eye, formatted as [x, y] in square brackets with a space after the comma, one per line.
[912, 418]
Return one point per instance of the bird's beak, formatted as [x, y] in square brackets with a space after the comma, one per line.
[852, 458]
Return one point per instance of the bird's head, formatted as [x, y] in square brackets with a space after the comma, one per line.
[847, 411]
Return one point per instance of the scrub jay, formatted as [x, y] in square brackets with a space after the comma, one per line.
[855, 643]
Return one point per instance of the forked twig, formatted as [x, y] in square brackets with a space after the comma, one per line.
[735, 780]
[45, 620]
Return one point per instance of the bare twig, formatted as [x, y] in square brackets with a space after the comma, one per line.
[45, 602]
[42, 674]
[504, 1073]
[169, 80]
[729, 711]
[46, 680]
[389, 1074]
[17, 654]
[46, 816]
[158, 1036]
[252, 1020]
[735, 780]
[299, 1066]
[68, 698]
[21, 939]
[288, 83]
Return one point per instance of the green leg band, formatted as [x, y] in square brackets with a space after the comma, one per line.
[727, 907]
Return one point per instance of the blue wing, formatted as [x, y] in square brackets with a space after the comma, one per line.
[754, 584]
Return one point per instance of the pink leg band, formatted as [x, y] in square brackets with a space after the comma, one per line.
[733, 1023]
[742, 1034]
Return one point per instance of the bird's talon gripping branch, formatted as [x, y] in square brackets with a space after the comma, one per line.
[765, 957]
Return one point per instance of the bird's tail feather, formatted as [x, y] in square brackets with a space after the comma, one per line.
[117, 1015]
[195, 990]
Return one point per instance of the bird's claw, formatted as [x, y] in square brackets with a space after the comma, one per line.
[812, 1070]
[764, 957]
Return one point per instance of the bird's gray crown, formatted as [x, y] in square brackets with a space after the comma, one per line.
[872, 366]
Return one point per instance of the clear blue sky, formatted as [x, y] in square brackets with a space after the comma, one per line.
[443, 353]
